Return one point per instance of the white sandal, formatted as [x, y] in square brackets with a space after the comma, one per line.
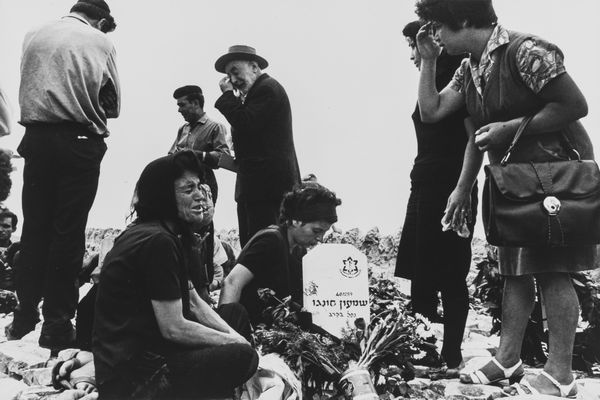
[478, 377]
[566, 391]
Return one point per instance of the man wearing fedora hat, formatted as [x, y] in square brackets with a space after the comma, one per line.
[258, 109]
[69, 87]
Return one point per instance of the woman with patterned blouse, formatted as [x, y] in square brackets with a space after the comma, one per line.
[509, 76]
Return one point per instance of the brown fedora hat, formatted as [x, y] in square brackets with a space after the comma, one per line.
[240, 52]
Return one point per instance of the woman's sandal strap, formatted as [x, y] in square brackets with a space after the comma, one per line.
[481, 378]
[507, 371]
[565, 390]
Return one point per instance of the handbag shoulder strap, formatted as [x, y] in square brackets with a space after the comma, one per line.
[520, 130]
[522, 126]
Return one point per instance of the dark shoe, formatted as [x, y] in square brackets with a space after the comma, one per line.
[16, 330]
[56, 342]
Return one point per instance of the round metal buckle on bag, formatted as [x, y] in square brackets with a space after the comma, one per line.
[552, 205]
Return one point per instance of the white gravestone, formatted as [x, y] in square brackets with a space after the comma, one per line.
[336, 286]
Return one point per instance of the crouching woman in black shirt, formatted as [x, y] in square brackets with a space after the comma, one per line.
[273, 257]
[152, 332]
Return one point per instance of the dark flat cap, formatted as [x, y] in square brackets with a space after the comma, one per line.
[186, 90]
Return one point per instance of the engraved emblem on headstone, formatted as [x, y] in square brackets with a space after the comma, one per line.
[349, 268]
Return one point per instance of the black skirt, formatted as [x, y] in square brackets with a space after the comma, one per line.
[425, 252]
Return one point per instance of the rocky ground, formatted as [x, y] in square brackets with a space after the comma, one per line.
[25, 371]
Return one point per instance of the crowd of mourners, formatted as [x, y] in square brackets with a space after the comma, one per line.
[149, 328]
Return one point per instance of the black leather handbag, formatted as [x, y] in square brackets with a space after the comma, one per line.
[542, 204]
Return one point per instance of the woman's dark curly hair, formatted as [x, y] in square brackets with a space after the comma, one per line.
[300, 203]
[453, 13]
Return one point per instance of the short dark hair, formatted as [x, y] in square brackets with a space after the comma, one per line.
[6, 213]
[306, 197]
[476, 13]
[97, 10]
[191, 92]
[410, 30]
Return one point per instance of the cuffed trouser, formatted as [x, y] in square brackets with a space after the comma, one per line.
[60, 180]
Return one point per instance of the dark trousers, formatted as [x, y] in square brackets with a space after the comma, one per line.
[204, 372]
[60, 180]
[254, 216]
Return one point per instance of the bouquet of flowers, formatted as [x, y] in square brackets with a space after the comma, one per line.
[386, 347]
[316, 357]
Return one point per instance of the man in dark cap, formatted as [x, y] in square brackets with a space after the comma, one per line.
[258, 109]
[200, 133]
[65, 118]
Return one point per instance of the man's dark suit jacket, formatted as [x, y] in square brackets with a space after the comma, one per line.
[261, 129]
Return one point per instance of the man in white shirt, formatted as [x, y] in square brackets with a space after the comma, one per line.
[69, 87]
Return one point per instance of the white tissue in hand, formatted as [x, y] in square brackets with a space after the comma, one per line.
[462, 231]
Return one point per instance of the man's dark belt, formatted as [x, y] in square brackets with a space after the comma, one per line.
[65, 127]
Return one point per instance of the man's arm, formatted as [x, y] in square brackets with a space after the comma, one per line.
[218, 144]
[175, 328]
[219, 139]
[254, 112]
[110, 93]
[233, 284]
[174, 145]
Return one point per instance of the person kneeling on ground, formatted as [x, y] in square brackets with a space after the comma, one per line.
[151, 329]
[273, 257]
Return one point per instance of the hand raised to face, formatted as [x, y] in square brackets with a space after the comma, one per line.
[426, 44]
[225, 84]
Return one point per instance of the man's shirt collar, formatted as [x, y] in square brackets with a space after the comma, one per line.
[78, 17]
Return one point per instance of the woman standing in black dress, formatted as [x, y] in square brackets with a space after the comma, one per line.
[435, 260]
